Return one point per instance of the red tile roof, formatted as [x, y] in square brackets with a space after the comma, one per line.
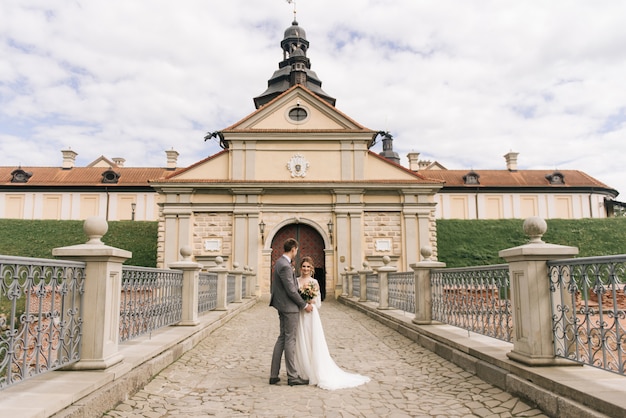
[83, 176]
[520, 178]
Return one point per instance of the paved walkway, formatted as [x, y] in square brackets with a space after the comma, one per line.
[227, 376]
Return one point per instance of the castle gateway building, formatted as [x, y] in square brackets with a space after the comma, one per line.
[297, 167]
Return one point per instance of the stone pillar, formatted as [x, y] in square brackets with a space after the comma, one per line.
[530, 296]
[383, 283]
[222, 283]
[253, 282]
[363, 278]
[191, 277]
[350, 273]
[101, 300]
[423, 288]
[247, 279]
[344, 282]
[238, 273]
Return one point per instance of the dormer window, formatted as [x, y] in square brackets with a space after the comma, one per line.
[556, 178]
[110, 176]
[471, 178]
[20, 176]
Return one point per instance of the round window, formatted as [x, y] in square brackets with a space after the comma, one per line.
[297, 114]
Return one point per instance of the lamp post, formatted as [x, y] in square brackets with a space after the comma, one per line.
[133, 206]
[262, 231]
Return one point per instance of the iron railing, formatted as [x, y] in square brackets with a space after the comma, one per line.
[207, 292]
[474, 298]
[402, 291]
[230, 288]
[589, 310]
[40, 316]
[151, 298]
[371, 280]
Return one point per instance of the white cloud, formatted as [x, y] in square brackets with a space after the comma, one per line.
[461, 82]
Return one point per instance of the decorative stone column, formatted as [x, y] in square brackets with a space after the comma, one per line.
[423, 287]
[383, 283]
[191, 278]
[530, 296]
[222, 283]
[101, 300]
[363, 279]
[238, 273]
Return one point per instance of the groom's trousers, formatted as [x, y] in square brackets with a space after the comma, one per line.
[286, 343]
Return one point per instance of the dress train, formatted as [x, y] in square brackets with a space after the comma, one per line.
[320, 369]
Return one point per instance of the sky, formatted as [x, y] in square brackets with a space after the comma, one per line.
[462, 82]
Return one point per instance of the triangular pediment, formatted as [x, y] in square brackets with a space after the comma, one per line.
[297, 109]
[279, 143]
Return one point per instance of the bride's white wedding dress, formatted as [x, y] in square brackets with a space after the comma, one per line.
[313, 360]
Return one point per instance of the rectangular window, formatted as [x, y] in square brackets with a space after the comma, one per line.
[528, 206]
[89, 205]
[51, 206]
[14, 207]
[563, 207]
[493, 207]
[458, 207]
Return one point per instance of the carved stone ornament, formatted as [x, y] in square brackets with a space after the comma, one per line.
[298, 166]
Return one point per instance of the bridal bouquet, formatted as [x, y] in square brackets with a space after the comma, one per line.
[308, 291]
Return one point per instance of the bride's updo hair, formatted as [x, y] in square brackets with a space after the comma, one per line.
[309, 260]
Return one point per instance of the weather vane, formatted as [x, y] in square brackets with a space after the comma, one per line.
[294, 8]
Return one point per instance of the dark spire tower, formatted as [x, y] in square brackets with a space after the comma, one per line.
[295, 68]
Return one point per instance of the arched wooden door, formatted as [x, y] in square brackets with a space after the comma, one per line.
[311, 244]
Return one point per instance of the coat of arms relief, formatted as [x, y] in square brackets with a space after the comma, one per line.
[297, 165]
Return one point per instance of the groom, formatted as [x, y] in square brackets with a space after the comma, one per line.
[286, 299]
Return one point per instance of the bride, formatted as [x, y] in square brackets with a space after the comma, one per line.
[313, 359]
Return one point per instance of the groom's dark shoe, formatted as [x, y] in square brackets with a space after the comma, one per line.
[298, 381]
[274, 380]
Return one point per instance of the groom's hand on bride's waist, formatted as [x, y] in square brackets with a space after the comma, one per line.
[308, 307]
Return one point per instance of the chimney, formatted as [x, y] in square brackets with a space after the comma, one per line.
[172, 159]
[119, 161]
[69, 159]
[423, 165]
[511, 160]
[413, 161]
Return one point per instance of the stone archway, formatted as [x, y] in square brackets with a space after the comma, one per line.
[311, 244]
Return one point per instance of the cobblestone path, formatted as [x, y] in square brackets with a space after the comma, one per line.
[227, 375]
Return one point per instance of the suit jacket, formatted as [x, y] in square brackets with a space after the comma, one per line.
[285, 296]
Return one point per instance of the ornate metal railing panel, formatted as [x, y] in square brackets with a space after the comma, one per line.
[356, 285]
[207, 292]
[372, 293]
[230, 288]
[40, 316]
[151, 299]
[402, 291]
[589, 310]
[474, 298]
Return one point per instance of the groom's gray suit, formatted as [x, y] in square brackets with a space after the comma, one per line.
[286, 299]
